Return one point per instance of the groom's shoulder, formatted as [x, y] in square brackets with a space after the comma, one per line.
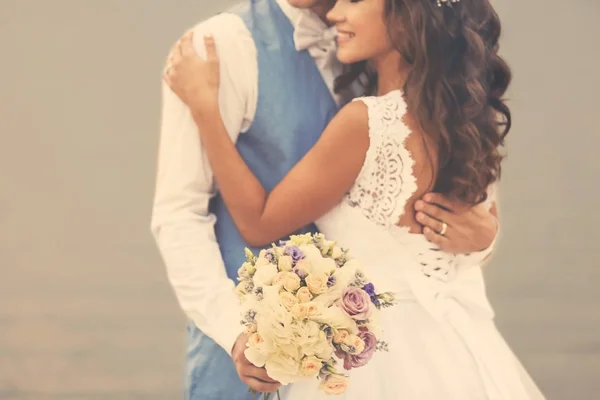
[227, 26]
[234, 41]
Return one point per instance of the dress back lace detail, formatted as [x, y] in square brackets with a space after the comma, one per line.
[386, 181]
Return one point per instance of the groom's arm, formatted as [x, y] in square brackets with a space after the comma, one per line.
[182, 225]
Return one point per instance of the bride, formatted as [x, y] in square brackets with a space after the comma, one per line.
[435, 120]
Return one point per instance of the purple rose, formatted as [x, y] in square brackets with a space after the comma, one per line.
[357, 303]
[295, 253]
[356, 361]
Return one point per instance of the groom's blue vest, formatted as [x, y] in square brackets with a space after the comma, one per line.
[294, 107]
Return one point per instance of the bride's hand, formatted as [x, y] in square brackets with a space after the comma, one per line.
[193, 79]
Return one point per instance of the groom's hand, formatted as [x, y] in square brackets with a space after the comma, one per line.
[256, 378]
[468, 228]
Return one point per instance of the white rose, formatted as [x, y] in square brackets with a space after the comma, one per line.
[311, 252]
[285, 263]
[325, 266]
[346, 275]
[261, 262]
[264, 275]
[303, 268]
[317, 283]
[255, 357]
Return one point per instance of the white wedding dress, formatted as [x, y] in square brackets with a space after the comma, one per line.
[443, 343]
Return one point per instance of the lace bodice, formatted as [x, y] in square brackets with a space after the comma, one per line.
[386, 181]
[366, 220]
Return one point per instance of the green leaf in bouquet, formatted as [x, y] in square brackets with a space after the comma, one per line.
[250, 256]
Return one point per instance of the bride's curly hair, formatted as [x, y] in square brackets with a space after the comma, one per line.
[454, 89]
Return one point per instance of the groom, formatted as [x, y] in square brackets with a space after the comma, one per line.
[277, 71]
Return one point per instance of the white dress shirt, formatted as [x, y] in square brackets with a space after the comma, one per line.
[182, 225]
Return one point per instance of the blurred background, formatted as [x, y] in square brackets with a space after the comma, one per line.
[85, 308]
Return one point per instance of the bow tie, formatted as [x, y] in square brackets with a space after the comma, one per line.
[313, 35]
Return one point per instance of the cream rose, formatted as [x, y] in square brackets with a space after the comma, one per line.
[310, 366]
[312, 309]
[305, 310]
[341, 336]
[288, 300]
[279, 278]
[304, 295]
[300, 311]
[291, 282]
[255, 340]
[317, 283]
[285, 263]
[356, 343]
[334, 384]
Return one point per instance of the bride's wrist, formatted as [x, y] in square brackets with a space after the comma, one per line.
[208, 112]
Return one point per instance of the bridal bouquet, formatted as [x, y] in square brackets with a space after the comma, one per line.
[307, 308]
